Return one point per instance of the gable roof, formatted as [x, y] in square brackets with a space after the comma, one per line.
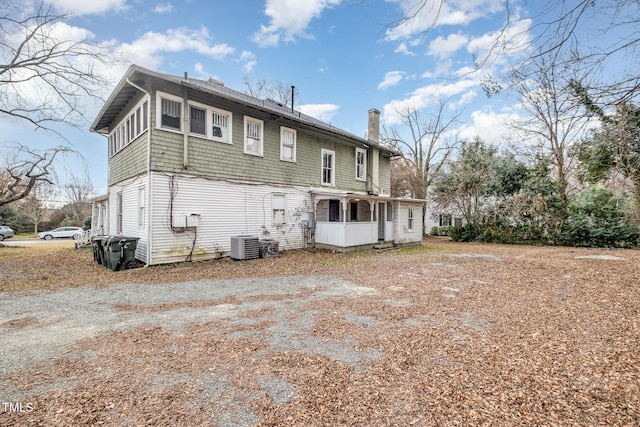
[131, 84]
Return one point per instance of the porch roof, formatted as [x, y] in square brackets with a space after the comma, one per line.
[100, 198]
[327, 194]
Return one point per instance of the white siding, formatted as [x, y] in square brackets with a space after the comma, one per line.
[130, 227]
[401, 219]
[225, 209]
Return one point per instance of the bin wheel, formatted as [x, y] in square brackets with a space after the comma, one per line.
[130, 265]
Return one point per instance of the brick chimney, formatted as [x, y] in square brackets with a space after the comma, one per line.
[373, 131]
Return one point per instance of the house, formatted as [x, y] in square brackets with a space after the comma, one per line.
[193, 163]
[437, 217]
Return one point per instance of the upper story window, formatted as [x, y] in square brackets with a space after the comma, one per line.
[197, 120]
[170, 112]
[253, 136]
[328, 167]
[288, 144]
[221, 125]
[361, 164]
[131, 127]
[204, 121]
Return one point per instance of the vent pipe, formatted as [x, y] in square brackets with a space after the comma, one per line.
[293, 95]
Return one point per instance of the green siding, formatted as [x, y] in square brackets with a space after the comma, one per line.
[228, 161]
[130, 161]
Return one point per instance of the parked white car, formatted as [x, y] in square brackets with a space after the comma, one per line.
[62, 232]
[5, 232]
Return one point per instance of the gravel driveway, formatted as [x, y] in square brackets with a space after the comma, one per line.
[463, 336]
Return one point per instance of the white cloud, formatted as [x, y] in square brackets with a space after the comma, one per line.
[84, 7]
[443, 48]
[490, 126]
[322, 112]
[459, 92]
[404, 50]
[289, 20]
[249, 60]
[163, 8]
[434, 14]
[147, 50]
[391, 79]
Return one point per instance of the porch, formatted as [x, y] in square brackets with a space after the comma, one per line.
[347, 221]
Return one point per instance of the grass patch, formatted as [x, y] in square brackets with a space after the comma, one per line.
[24, 236]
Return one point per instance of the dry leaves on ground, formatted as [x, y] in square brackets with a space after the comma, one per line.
[445, 334]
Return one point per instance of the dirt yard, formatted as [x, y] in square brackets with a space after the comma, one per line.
[445, 334]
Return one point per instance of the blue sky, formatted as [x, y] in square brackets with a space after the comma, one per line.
[341, 55]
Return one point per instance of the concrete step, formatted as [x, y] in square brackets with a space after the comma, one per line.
[388, 245]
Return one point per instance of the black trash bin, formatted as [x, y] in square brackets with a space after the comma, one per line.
[120, 252]
[98, 242]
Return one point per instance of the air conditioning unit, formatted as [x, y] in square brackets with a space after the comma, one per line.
[245, 247]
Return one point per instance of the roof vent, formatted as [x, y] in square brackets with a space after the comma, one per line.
[213, 81]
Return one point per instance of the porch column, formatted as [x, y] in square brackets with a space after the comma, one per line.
[372, 206]
[344, 209]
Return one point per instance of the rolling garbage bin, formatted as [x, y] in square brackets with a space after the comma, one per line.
[97, 242]
[120, 252]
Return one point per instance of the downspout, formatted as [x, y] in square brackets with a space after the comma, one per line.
[149, 180]
[185, 124]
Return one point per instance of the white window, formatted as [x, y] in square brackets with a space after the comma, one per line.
[410, 217]
[141, 207]
[197, 120]
[145, 115]
[278, 204]
[288, 144]
[112, 144]
[361, 164]
[253, 136]
[119, 213]
[137, 130]
[169, 112]
[129, 134]
[328, 167]
[220, 125]
[130, 128]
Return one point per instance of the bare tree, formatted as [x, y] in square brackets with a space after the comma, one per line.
[78, 192]
[271, 89]
[43, 78]
[600, 35]
[32, 207]
[22, 169]
[552, 119]
[44, 81]
[404, 178]
[428, 143]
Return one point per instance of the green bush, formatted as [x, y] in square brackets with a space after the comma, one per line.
[466, 233]
[597, 218]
